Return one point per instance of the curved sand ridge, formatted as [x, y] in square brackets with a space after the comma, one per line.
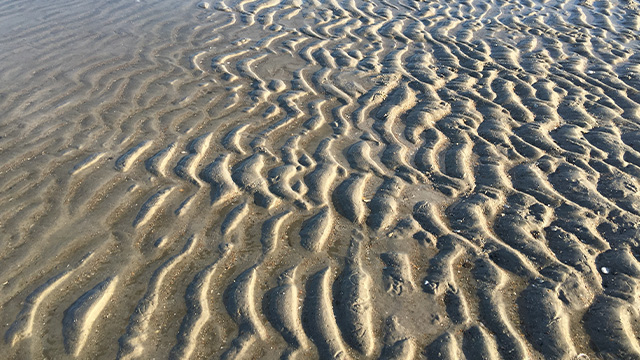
[320, 179]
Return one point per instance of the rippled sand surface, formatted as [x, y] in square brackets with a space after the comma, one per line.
[264, 179]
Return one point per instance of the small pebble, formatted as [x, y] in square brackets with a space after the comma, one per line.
[204, 5]
[604, 269]
[160, 242]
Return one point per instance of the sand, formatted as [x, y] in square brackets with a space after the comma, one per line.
[303, 179]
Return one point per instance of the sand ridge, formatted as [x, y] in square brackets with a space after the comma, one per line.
[320, 179]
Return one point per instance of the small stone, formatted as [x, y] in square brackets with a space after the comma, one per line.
[605, 270]
[160, 242]
[204, 5]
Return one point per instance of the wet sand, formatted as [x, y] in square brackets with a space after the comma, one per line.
[320, 179]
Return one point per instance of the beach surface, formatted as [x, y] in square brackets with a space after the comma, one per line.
[320, 179]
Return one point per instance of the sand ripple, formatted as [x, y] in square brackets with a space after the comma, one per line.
[320, 179]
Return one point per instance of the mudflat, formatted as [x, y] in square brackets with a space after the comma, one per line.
[319, 179]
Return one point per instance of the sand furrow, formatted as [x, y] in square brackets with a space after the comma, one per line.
[198, 312]
[23, 326]
[319, 318]
[284, 314]
[132, 342]
[218, 175]
[315, 231]
[79, 317]
[271, 232]
[354, 297]
[241, 307]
